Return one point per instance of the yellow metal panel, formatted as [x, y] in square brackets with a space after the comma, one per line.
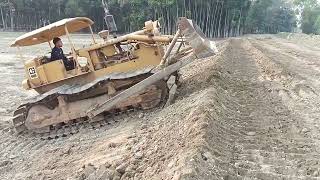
[95, 60]
[55, 71]
[147, 56]
[53, 74]
[108, 50]
[32, 73]
[42, 75]
[82, 53]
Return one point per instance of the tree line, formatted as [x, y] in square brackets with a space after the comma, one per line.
[310, 16]
[217, 18]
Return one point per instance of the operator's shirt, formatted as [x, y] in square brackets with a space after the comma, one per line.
[57, 54]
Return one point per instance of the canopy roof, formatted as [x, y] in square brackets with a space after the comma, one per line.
[57, 29]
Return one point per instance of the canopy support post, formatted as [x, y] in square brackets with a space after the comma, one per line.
[74, 54]
[50, 44]
[69, 39]
[93, 39]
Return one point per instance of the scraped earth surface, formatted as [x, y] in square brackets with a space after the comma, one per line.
[251, 112]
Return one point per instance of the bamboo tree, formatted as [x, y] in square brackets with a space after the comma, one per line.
[217, 18]
[2, 18]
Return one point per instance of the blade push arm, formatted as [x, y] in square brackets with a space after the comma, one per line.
[202, 48]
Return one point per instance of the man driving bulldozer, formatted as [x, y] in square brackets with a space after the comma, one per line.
[57, 54]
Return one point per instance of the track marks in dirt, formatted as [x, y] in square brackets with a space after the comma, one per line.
[236, 117]
[32, 158]
[251, 133]
[300, 94]
[303, 64]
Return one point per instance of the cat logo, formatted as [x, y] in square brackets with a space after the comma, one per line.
[33, 73]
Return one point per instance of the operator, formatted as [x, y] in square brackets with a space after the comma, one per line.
[57, 54]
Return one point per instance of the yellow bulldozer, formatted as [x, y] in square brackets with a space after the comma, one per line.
[113, 75]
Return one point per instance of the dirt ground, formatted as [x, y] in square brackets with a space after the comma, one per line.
[251, 112]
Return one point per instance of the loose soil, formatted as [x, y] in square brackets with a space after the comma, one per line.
[250, 112]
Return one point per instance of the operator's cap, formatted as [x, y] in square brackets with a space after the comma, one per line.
[55, 40]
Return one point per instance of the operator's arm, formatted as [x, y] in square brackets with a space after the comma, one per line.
[63, 57]
[57, 54]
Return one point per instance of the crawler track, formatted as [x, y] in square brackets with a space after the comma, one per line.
[250, 113]
[74, 125]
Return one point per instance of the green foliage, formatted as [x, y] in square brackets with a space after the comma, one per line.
[270, 16]
[306, 3]
[310, 23]
[76, 8]
[317, 25]
[309, 20]
[218, 18]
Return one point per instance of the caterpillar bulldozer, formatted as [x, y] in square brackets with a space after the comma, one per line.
[111, 75]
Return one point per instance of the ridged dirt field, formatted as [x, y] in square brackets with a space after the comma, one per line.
[251, 112]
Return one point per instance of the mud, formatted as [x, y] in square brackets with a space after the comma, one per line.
[250, 112]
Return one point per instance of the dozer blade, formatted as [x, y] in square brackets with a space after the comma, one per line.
[201, 46]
